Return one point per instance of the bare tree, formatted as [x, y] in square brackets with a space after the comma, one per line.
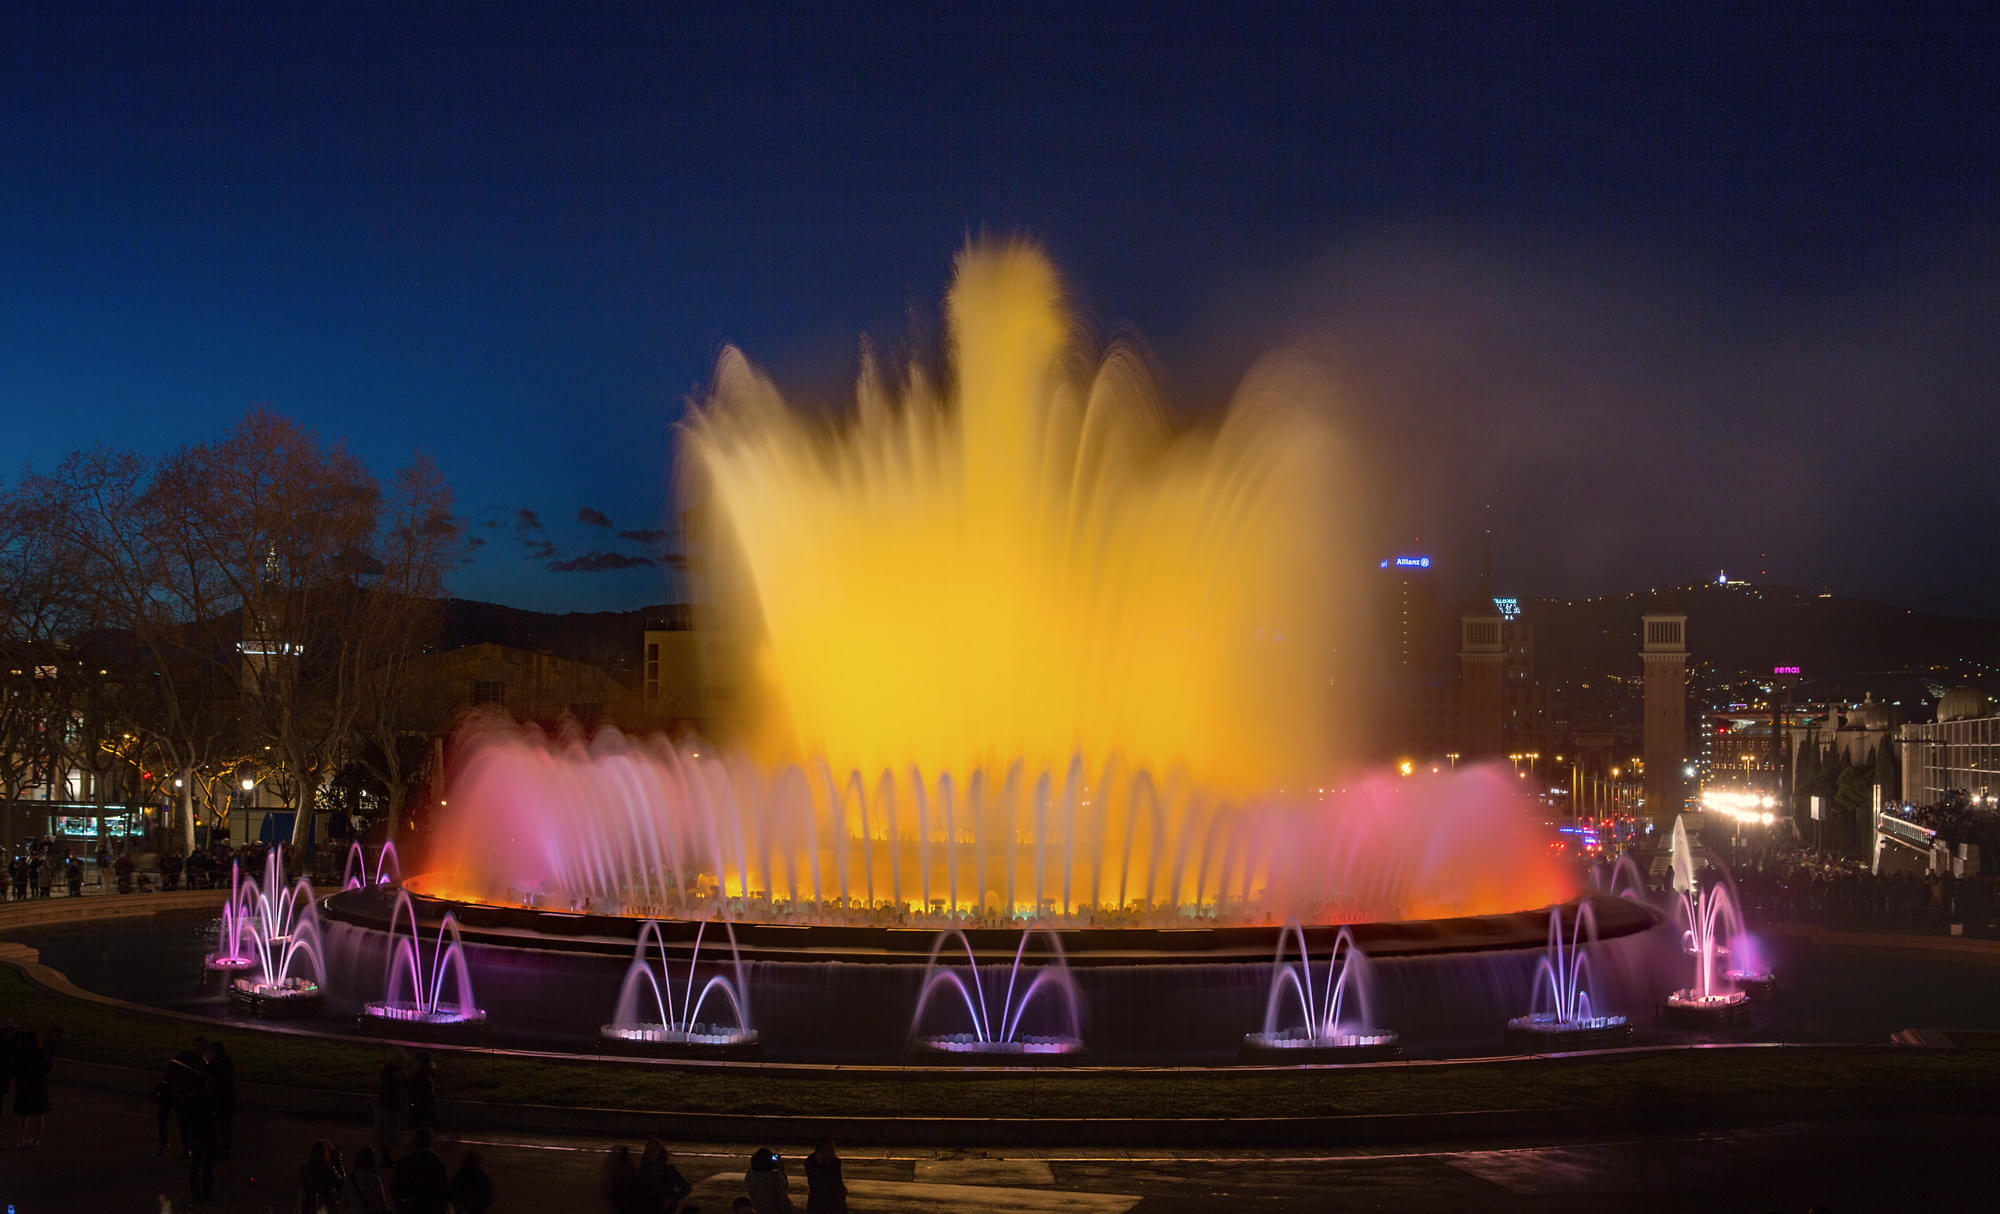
[421, 542]
[124, 547]
[268, 587]
[40, 612]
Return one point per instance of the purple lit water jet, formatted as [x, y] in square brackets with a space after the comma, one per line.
[1323, 1032]
[679, 1024]
[1001, 1035]
[1561, 1014]
[270, 927]
[415, 993]
[388, 867]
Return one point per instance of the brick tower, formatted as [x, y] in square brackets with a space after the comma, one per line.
[1663, 655]
[1482, 668]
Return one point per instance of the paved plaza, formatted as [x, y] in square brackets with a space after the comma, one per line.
[97, 1156]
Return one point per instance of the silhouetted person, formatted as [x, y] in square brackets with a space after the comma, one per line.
[363, 1193]
[423, 1093]
[6, 1061]
[320, 1179]
[420, 1184]
[163, 1107]
[766, 1184]
[826, 1192]
[471, 1188]
[222, 1091]
[661, 1187]
[31, 1086]
[390, 1102]
[196, 1106]
[188, 1076]
[619, 1180]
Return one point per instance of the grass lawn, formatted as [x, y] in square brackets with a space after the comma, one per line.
[112, 1035]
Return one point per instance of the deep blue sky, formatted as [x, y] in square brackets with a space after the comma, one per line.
[1654, 287]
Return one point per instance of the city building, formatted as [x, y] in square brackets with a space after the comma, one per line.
[689, 671]
[1957, 755]
[1482, 657]
[1663, 659]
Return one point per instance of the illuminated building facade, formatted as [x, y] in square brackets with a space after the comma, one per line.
[1957, 755]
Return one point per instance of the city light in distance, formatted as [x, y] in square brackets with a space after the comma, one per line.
[1746, 807]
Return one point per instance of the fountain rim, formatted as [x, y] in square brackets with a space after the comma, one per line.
[515, 927]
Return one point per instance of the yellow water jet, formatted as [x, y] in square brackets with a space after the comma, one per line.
[1026, 562]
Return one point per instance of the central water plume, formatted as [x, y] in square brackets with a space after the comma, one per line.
[1023, 562]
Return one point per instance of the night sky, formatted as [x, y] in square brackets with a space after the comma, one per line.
[1650, 290]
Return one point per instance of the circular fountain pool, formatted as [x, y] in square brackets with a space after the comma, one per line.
[880, 993]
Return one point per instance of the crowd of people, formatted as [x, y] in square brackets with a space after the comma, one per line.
[1840, 892]
[416, 1181]
[650, 1183]
[51, 866]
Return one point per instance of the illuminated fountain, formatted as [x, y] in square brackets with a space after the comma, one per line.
[388, 867]
[648, 989]
[988, 1035]
[232, 950]
[1561, 1015]
[415, 992]
[1007, 649]
[1335, 1022]
[1002, 647]
[1622, 880]
[1710, 922]
[273, 929]
[654, 829]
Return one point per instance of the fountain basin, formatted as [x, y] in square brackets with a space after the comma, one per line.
[1544, 1032]
[1026, 1050]
[275, 1000]
[406, 1019]
[1687, 1009]
[1296, 1045]
[666, 1041]
[216, 963]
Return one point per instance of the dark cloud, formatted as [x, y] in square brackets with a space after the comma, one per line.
[590, 516]
[600, 562]
[539, 550]
[643, 535]
[475, 542]
[526, 520]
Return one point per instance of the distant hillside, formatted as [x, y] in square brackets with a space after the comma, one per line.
[609, 639]
[1835, 640]
[1758, 627]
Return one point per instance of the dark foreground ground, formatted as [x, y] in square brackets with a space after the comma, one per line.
[98, 1155]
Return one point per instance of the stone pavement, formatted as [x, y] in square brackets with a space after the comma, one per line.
[97, 1156]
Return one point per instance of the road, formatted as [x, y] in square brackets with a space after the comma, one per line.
[97, 1155]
